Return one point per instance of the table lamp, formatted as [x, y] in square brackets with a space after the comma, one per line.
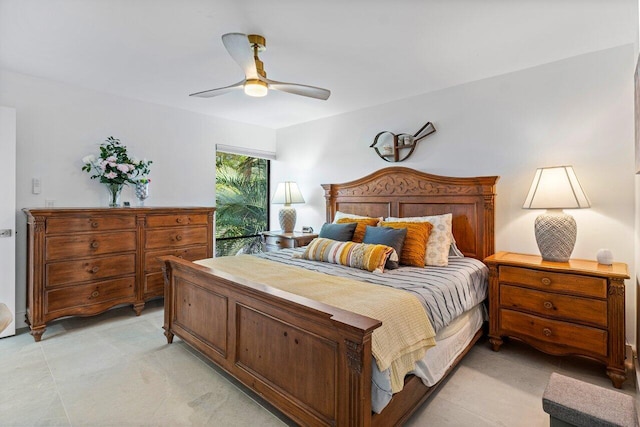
[287, 193]
[555, 188]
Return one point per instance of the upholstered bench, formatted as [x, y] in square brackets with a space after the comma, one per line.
[571, 402]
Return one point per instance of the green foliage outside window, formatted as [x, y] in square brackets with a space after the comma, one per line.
[241, 203]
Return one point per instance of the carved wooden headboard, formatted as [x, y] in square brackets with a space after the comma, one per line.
[404, 192]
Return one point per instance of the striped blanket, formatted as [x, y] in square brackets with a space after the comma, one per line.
[445, 292]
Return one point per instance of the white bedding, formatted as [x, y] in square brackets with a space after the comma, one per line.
[450, 343]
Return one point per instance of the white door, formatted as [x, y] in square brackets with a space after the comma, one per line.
[7, 220]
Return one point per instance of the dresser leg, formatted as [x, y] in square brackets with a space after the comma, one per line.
[138, 307]
[36, 332]
[169, 336]
[495, 343]
[617, 376]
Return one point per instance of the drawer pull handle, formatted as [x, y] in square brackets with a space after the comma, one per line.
[179, 220]
[178, 237]
[95, 269]
[546, 281]
[95, 294]
[94, 225]
[548, 305]
[95, 244]
[546, 332]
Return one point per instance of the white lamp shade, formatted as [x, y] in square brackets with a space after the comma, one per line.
[287, 193]
[556, 187]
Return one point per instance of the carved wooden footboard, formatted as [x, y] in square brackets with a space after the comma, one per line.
[310, 360]
[304, 357]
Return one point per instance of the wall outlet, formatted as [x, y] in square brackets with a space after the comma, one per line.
[49, 203]
[36, 188]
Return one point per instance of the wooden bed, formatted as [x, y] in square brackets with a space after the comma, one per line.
[310, 360]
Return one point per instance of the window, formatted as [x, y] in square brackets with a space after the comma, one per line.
[242, 202]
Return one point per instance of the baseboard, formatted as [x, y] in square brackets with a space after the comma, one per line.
[20, 320]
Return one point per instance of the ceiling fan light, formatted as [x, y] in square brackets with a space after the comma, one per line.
[255, 87]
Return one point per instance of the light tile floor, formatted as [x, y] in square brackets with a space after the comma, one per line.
[116, 369]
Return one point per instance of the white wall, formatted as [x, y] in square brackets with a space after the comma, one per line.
[59, 124]
[7, 214]
[577, 111]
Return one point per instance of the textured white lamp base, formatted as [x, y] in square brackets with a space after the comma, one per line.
[556, 235]
[287, 217]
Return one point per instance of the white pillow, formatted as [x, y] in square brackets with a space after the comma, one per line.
[340, 215]
[440, 238]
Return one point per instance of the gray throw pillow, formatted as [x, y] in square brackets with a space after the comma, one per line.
[340, 232]
[393, 237]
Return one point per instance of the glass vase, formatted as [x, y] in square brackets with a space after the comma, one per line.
[114, 191]
[142, 192]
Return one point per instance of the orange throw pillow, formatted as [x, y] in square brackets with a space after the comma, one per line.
[361, 228]
[415, 244]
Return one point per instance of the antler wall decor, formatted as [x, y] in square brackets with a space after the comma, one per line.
[393, 147]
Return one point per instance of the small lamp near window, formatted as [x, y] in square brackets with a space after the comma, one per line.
[287, 193]
[556, 188]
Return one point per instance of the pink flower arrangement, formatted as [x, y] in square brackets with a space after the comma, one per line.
[114, 166]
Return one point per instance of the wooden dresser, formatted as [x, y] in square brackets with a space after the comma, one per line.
[572, 308]
[84, 261]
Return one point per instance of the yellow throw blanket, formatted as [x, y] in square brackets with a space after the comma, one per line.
[406, 332]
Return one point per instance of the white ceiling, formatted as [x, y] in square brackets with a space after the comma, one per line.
[367, 52]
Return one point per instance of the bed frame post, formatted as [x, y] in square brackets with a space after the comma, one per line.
[168, 300]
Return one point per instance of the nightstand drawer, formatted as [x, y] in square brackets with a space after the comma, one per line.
[280, 242]
[574, 284]
[560, 334]
[577, 309]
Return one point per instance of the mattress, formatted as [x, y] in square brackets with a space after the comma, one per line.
[450, 343]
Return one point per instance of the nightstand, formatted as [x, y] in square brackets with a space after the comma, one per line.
[560, 308]
[275, 240]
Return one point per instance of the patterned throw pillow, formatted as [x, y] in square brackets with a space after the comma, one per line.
[357, 255]
[439, 239]
[415, 243]
[361, 226]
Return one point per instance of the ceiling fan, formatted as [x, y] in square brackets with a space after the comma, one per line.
[244, 50]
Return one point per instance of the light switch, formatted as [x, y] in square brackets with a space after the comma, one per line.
[35, 186]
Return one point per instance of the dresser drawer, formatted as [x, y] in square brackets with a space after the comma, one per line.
[574, 284]
[167, 238]
[279, 242]
[76, 224]
[152, 263]
[67, 272]
[176, 220]
[154, 284]
[564, 335]
[579, 309]
[79, 296]
[86, 245]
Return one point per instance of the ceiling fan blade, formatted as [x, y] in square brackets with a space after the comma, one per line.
[219, 91]
[237, 44]
[298, 89]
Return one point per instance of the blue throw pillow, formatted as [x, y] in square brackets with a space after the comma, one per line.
[339, 232]
[393, 237]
